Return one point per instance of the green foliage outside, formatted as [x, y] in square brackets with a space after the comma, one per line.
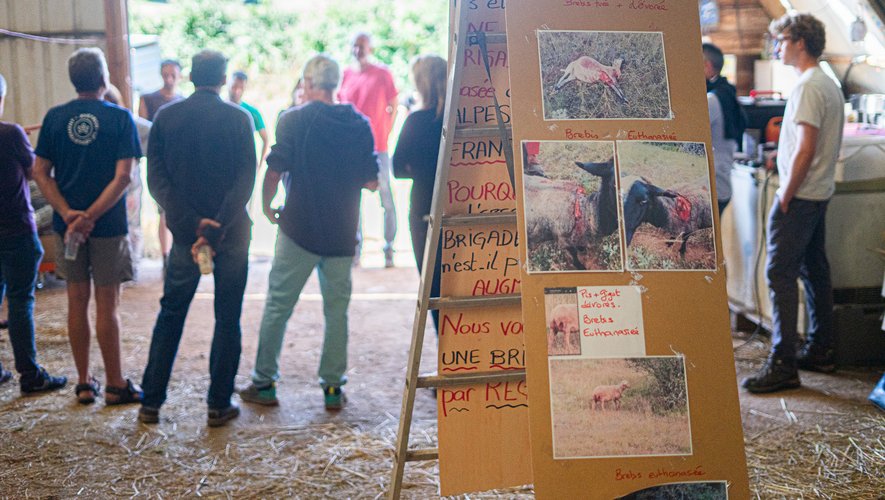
[274, 38]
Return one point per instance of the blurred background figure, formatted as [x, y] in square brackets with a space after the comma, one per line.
[416, 154]
[235, 93]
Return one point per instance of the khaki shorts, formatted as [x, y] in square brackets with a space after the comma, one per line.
[106, 260]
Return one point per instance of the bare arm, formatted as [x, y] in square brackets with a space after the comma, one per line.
[49, 188]
[268, 192]
[265, 146]
[142, 109]
[801, 162]
[113, 191]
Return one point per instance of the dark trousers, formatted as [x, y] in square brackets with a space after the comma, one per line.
[418, 230]
[796, 250]
[19, 259]
[182, 278]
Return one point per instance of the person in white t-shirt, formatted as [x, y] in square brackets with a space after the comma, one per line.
[809, 143]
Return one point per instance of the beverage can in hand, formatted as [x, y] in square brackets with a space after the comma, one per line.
[204, 259]
[73, 240]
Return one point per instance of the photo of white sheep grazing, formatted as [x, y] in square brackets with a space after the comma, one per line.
[605, 393]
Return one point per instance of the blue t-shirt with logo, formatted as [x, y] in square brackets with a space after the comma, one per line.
[84, 139]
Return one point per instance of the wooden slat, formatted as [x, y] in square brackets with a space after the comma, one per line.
[469, 379]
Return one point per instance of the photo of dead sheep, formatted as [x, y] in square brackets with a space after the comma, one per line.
[667, 206]
[563, 323]
[696, 490]
[571, 206]
[599, 75]
[624, 407]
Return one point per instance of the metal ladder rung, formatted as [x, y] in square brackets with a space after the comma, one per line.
[469, 379]
[420, 454]
[513, 299]
[461, 133]
[479, 219]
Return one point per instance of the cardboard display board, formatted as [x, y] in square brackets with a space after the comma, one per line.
[483, 429]
[628, 351]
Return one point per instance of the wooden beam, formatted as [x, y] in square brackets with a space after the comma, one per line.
[116, 20]
[773, 8]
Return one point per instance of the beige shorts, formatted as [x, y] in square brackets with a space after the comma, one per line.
[106, 260]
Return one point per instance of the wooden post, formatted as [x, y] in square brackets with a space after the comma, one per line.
[116, 17]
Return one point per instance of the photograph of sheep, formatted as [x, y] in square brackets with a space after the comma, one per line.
[603, 75]
[563, 330]
[667, 207]
[619, 407]
[571, 206]
[696, 490]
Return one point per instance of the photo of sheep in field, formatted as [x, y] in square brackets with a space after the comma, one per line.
[667, 205]
[563, 330]
[695, 490]
[571, 206]
[603, 75]
[619, 407]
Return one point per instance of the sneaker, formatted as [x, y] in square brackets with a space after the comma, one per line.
[41, 382]
[334, 397]
[148, 415]
[815, 359]
[218, 417]
[5, 375]
[266, 396]
[775, 375]
[388, 258]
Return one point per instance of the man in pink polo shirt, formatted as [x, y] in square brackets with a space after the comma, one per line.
[369, 88]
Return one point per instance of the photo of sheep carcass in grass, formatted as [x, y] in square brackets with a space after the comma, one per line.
[571, 206]
[667, 206]
[607, 407]
[563, 329]
[696, 490]
[599, 75]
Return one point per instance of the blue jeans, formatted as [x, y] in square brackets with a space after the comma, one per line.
[182, 278]
[386, 194]
[796, 250]
[19, 260]
[292, 266]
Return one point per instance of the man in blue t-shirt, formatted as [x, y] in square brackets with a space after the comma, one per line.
[85, 154]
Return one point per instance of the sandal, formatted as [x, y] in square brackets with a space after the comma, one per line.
[91, 389]
[132, 393]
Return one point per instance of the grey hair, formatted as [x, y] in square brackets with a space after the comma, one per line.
[323, 72]
[2, 86]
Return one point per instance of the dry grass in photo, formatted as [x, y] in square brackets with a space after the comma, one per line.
[619, 407]
[667, 206]
[563, 322]
[587, 75]
[571, 214]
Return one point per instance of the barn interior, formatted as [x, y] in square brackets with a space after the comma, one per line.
[823, 440]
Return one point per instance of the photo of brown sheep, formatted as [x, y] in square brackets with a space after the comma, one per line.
[571, 206]
[667, 205]
[563, 328]
[619, 407]
[603, 75]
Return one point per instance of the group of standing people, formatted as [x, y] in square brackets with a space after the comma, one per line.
[201, 170]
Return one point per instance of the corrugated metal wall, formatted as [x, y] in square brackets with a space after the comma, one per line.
[36, 71]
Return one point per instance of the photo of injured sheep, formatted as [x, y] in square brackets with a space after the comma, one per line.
[571, 206]
[603, 75]
[619, 407]
[667, 206]
[563, 323]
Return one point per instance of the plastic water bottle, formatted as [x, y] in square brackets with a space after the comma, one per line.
[204, 259]
[73, 240]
